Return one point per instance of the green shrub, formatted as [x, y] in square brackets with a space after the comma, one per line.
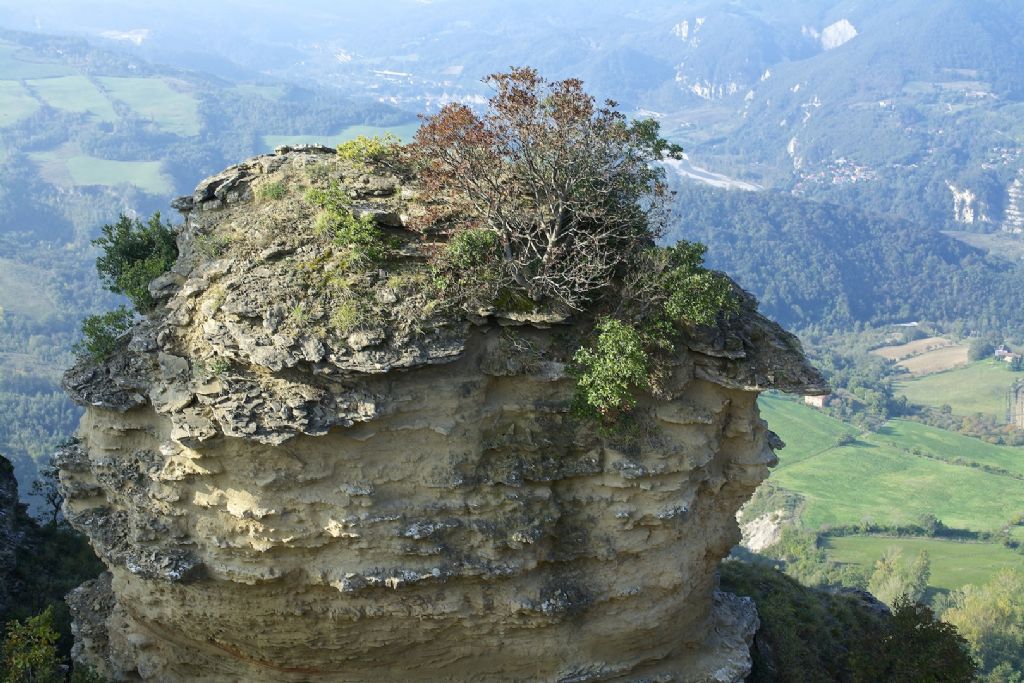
[913, 647]
[134, 253]
[469, 250]
[374, 150]
[467, 270]
[83, 674]
[101, 332]
[814, 635]
[29, 653]
[980, 349]
[271, 191]
[365, 244]
[609, 374]
[213, 245]
[693, 294]
[210, 367]
[319, 173]
[347, 317]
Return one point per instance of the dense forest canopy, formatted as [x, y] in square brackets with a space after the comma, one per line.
[829, 267]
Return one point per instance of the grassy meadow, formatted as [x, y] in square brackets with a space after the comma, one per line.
[893, 476]
[17, 62]
[976, 388]
[145, 175]
[15, 103]
[166, 103]
[953, 563]
[66, 166]
[75, 94]
[23, 290]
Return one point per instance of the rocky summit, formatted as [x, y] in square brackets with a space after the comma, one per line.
[299, 472]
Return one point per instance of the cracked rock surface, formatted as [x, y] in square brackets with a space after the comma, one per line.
[280, 499]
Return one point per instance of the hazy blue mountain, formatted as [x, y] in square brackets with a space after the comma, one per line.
[892, 106]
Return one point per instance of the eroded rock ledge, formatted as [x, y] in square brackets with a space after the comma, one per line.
[277, 500]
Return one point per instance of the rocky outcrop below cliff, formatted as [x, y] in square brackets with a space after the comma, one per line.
[279, 497]
[11, 514]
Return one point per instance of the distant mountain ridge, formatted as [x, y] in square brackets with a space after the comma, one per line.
[894, 106]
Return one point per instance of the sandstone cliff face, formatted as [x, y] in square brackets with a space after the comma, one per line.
[277, 500]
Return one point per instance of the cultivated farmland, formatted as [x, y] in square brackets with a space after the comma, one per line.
[977, 388]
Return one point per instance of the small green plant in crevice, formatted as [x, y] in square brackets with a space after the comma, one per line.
[271, 191]
[298, 314]
[101, 332]
[213, 367]
[609, 374]
[365, 244]
[134, 254]
[348, 316]
[213, 245]
[378, 149]
[467, 269]
[319, 173]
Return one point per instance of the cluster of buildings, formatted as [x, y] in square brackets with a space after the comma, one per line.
[1004, 354]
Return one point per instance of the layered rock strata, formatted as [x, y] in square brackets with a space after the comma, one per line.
[281, 497]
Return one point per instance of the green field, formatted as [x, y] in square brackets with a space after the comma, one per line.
[805, 430]
[75, 94]
[64, 166]
[22, 290]
[879, 479]
[872, 482]
[145, 175]
[17, 62]
[157, 100]
[404, 132]
[977, 388]
[949, 445]
[953, 564]
[15, 102]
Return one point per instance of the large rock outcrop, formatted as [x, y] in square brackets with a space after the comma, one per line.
[280, 495]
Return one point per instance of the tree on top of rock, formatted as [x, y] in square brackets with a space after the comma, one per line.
[566, 186]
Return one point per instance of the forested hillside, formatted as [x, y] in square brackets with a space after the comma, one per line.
[829, 267]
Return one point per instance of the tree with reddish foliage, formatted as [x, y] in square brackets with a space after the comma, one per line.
[568, 187]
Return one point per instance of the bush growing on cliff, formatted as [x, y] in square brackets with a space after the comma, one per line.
[668, 289]
[378, 149]
[30, 651]
[100, 333]
[365, 243]
[568, 187]
[271, 191]
[30, 654]
[609, 373]
[553, 201]
[913, 647]
[134, 254]
[468, 268]
[813, 635]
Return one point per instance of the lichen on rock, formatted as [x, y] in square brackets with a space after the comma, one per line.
[300, 471]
